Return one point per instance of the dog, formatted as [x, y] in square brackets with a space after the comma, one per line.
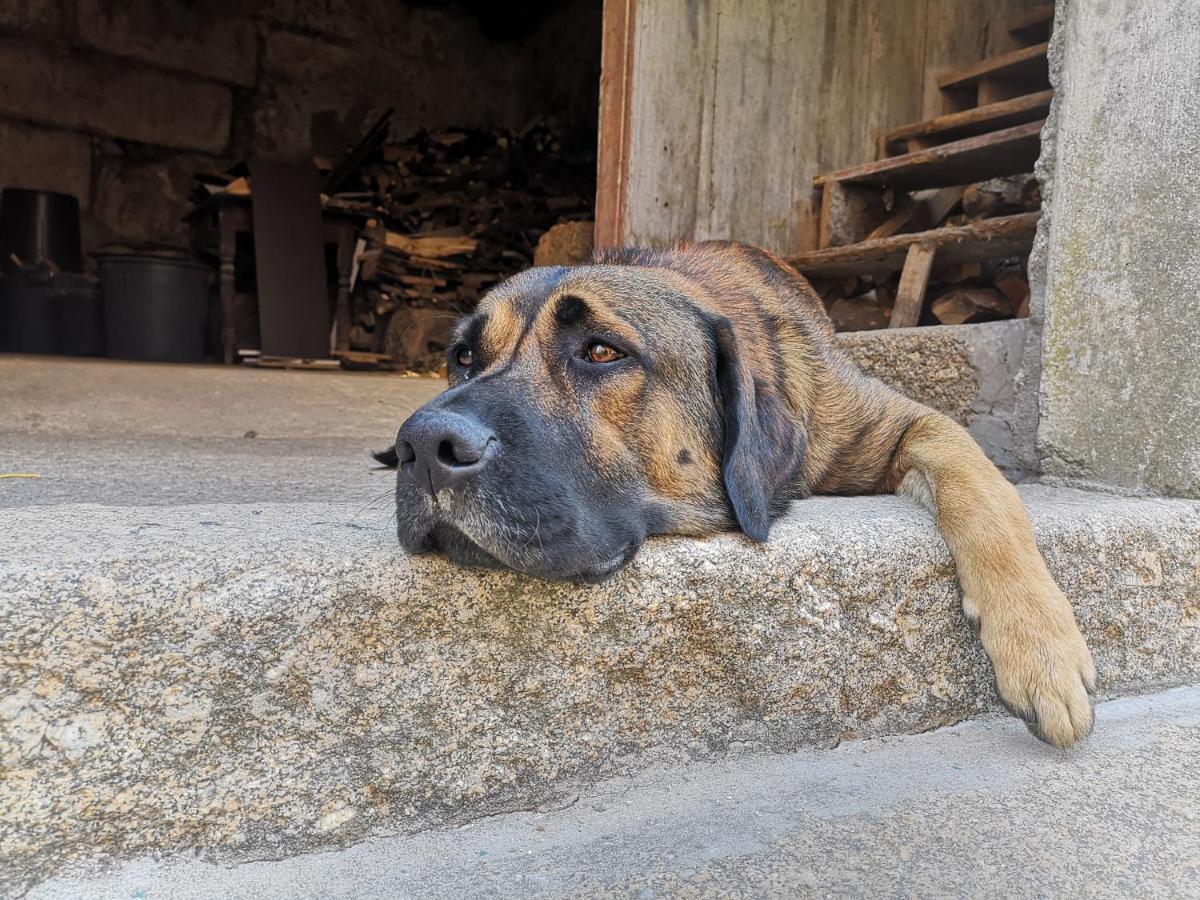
[695, 389]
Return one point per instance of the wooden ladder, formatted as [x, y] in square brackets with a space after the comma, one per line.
[922, 169]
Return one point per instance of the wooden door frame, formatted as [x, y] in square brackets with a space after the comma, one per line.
[616, 94]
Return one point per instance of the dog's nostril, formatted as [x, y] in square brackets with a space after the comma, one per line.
[451, 453]
[405, 452]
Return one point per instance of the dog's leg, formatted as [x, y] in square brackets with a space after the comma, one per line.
[1044, 672]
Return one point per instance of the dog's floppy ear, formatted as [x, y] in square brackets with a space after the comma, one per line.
[387, 457]
[764, 445]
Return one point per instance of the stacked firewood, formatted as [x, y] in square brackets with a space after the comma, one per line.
[959, 294]
[451, 214]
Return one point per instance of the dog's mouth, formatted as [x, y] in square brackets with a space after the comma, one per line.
[459, 548]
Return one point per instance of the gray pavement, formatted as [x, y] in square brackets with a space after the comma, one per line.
[976, 810]
[143, 434]
[170, 471]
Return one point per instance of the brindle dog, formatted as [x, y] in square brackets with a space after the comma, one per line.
[696, 389]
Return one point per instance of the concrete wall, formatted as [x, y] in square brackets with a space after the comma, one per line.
[1120, 352]
[120, 101]
[737, 104]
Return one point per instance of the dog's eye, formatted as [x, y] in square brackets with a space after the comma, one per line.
[465, 357]
[599, 352]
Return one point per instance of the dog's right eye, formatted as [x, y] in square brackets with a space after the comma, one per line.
[465, 357]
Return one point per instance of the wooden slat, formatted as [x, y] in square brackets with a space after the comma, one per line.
[1033, 24]
[914, 278]
[988, 239]
[1005, 152]
[979, 120]
[616, 85]
[1026, 64]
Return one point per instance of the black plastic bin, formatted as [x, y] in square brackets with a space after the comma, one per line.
[48, 312]
[81, 319]
[28, 312]
[155, 308]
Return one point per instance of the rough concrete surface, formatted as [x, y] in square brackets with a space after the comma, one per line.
[968, 372]
[1120, 385]
[262, 678]
[975, 810]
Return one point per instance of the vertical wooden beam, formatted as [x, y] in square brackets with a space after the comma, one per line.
[616, 89]
[910, 296]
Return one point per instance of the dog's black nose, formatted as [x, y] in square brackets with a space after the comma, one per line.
[447, 445]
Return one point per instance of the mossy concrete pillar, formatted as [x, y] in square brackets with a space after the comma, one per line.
[1120, 386]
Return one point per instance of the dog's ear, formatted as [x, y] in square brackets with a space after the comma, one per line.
[764, 445]
[387, 457]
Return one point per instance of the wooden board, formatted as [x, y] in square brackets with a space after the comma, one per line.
[914, 278]
[1034, 24]
[1027, 64]
[979, 120]
[1006, 152]
[988, 239]
[737, 104]
[289, 250]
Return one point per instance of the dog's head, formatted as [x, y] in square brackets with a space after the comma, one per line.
[588, 408]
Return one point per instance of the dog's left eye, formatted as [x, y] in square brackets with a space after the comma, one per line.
[599, 352]
[465, 357]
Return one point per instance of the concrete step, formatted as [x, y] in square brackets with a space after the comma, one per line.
[258, 679]
[968, 811]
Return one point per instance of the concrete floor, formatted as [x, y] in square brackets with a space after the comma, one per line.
[117, 433]
[977, 810]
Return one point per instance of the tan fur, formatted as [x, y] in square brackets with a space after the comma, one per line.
[861, 437]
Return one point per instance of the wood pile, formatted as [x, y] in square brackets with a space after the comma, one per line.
[451, 214]
[959, 293]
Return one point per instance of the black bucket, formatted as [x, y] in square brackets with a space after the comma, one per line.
[37, 226]
[45, 312]
[155, 308]
[80, 318]
[28, 312]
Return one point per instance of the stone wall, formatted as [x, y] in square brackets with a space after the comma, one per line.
[120, 101]
[971, 373]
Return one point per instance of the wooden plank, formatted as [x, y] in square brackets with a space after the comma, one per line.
[431, 246]
[1025, 64]
[987, 239]
[671, 109]
[289, 251]
[756, 190]
[616, 86]
[1034, 24]
[1005, 152]
[914, 278]
[892, 224]
[930, 207]
[979, 120]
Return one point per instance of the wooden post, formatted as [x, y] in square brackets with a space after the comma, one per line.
[347, 234]
[226, 250]
[616, 91]
[910, 296]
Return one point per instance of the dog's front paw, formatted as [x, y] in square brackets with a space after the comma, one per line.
[1044, 670]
